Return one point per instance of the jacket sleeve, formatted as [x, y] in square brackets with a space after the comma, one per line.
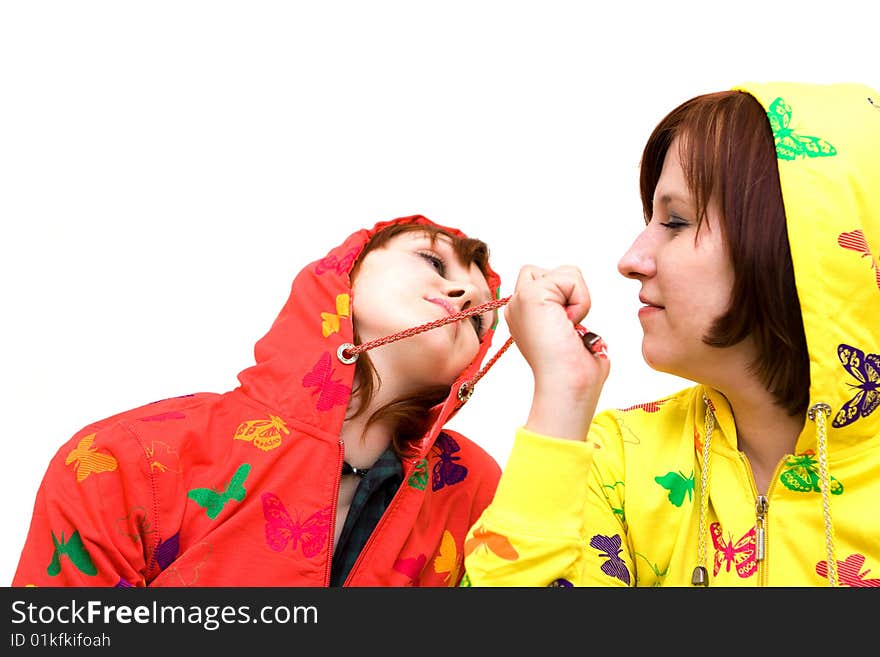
[93, 521]
[554, 520]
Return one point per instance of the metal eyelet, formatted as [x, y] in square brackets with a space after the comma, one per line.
[340, 353]
[465, 391]
[815, 408]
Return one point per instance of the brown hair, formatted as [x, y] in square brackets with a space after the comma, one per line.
[729, 159]
[410, 416]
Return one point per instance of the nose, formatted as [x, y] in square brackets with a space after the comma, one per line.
[464, 291]
[638, 261]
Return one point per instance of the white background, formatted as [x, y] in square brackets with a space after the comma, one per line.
[167, 167]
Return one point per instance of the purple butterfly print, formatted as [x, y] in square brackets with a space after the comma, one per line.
[166, 551]
[609, 547]
[866, 370]
[561, 583]
[446, 471]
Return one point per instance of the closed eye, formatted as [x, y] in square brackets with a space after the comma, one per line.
[435, 261]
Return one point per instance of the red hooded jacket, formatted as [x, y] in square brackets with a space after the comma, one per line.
[240, 488]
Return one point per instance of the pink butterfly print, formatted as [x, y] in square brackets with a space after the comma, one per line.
[330, 393]
[339, 265]
[311, 535]
[446, 471]
[648, 407]
[855, 241]
[849, 571]
[161, 417]
[411, 567]
[741, 554]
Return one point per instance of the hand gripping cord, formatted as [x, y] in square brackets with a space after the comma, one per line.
[348, 352]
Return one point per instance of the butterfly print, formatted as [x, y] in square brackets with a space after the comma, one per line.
[448, 561]
[419, 477]
[186, 571]
[855, 241]
[801, 474]
[330, 321]
[330, 393]
[609, 548]
[560, 583]
[265, 434]
[166, 552]
[497, 544]
[88, 460]
[648, 407]
[866, 370]
[161, 417]
[75, 550]
[162, 457]
[741, 555]
[135, 525]
[411, 567]
[678, 486]
[281, 529]
[339, 265]
[214, 500]
[789, 144]
[849, 571]
[446, 471]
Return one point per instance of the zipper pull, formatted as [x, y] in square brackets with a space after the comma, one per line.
[761, 505]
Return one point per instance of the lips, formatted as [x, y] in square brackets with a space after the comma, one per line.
[443, 303]
[649, 303]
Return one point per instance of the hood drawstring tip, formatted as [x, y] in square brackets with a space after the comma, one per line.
[700, 576]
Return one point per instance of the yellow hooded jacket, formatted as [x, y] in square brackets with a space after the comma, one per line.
[660, 488]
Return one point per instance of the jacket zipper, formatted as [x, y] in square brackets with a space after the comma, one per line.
[330, 541]
[761, 506]
[394, 500]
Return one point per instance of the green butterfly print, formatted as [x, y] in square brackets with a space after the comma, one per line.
[75, 551]
[618, 511]
[214, 501]
[789, 144]
[678, 486]
[801, 474]
[419, 478]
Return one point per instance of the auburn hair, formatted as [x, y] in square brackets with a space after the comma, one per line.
[728, 156]
[410, 416]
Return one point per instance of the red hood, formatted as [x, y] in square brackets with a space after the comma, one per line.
[297, 372]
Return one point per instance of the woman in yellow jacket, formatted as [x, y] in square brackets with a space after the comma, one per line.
[759, 281]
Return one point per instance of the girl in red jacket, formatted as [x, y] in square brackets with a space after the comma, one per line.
[328, 465]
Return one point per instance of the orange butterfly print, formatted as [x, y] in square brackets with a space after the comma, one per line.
[449, 560]
[330, 321]
[162, 457]
[87, 460]
[265, 434]
[741, 555]
[498, 544]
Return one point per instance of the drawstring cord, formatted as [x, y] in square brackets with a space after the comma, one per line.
[348, 352]
[700, 576]
[818, 413]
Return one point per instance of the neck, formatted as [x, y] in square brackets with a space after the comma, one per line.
[363, 444]
[765, 432]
